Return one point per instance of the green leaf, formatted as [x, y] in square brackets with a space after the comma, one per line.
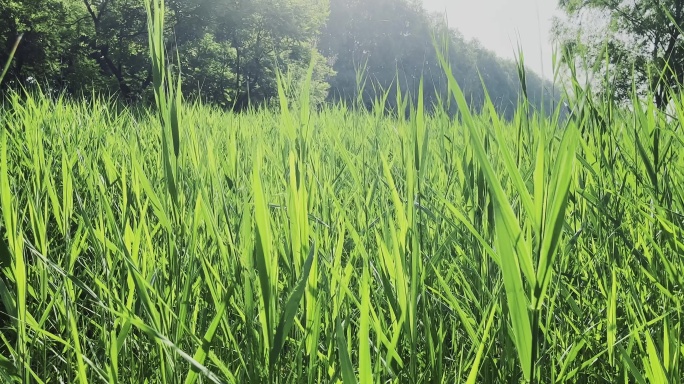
[203, 350]
[365, 364]
[348, 376]
[288, 316]
[472, 377]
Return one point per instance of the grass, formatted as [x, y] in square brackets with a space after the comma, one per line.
[191, 245]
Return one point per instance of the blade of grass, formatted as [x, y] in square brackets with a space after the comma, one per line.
[13, 51]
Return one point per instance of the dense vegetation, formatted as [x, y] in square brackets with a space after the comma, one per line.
[627, 43]
[293, 244]
[231, 50]
[390, 231]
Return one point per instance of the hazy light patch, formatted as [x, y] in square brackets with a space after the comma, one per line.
[500, 25]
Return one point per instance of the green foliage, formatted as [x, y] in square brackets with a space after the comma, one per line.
[230, 52]
[627, 44]
[246, 43]
[52, 53]
[323, 245]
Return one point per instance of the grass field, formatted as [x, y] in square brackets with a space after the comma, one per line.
[186, 244]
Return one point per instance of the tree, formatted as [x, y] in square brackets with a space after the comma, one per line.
[258, 37]
[391, 42]
[230, 50]
[50, 52]
[640, 40]
[117, 40]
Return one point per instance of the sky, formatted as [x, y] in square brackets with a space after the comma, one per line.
[500, 24]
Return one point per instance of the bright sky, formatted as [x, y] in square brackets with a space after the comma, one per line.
[500, 24]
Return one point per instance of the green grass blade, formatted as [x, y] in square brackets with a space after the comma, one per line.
[287, 318]
[11, 56]
[472, 377]
[518, 304]
[348, 376]
[203, 350]
[654, 370]
[555, 211]
[365, 364]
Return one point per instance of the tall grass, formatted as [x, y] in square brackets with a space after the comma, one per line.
[193, 245]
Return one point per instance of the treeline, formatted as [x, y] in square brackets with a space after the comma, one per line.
[231, 50]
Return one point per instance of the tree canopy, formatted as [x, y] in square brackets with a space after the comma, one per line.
[231, 50]
[639, 40]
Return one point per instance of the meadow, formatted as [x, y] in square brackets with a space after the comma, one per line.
[298, 244]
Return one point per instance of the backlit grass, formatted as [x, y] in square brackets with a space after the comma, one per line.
[299, 245]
